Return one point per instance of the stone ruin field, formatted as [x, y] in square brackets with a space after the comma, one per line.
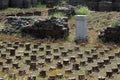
[58, 61]
[29, 58]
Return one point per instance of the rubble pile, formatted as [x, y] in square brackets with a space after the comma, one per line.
[37, 27]
[110, 34]
[14, 24]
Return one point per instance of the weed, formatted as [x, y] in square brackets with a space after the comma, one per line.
[82, 11]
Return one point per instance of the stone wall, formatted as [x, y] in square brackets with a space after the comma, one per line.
[34, 2]
[3, 4]
[47, 1]
[98, 5]
[26, 3]
[77, 2]
[18, 3]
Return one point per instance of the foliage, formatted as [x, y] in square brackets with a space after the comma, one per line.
[82, 11]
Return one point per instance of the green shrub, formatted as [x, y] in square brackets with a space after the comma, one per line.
[82, 11]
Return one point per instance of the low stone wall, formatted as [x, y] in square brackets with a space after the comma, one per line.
[54, 28]
[38, 27]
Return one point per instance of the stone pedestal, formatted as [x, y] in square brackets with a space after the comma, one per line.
[81, 27]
